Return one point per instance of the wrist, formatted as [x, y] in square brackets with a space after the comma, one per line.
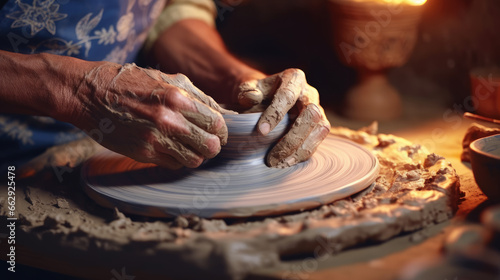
[194, 48]
[34, 84]
[69, 74]
[80, 81]
[85, 80]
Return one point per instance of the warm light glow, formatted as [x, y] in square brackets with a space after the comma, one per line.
[416, 2]
[397, 2]
[409, 2]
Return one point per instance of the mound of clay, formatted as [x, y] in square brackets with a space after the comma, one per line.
[75, 236]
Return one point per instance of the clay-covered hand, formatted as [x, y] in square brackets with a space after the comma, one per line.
[149, 116]
[284, 91]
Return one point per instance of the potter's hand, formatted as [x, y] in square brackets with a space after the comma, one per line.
[149, 116]
[284, 91]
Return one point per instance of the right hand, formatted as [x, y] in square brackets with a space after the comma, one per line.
[148, 115]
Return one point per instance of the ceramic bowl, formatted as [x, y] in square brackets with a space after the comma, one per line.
[485, 160]
[245, 142]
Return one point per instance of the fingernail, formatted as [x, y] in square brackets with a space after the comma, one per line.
[291, 161]
[264, 128]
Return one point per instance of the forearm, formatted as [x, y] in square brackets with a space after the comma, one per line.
[40, 84]
[196, 49]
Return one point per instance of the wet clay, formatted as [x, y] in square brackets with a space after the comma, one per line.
[275, 95]
[414, 189]
[68, 155]
[251, 93]
[471, 248]
[205, 120]
[298, 133]
[303, 139]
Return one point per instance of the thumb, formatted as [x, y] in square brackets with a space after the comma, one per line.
[249, 94]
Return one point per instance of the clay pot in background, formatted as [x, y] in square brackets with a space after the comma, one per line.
[372, 37]
[485, 91]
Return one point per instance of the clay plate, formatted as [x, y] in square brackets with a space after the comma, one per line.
[234, 184]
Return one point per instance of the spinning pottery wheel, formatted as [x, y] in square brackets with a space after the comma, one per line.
[237, 183]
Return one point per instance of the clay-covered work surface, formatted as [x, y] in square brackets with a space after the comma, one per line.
[415, 189]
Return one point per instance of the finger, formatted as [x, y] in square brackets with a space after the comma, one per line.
[249, 94]
[292, 83]
[207, 119]
[255, 92]
[195, 112]
[309, 147]
[189, 144]
[301, 128]
[204, 143]
[310, 95]
[183, 82]
[174, 148]
[166, 161]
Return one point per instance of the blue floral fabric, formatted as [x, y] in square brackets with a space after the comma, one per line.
[111, 30]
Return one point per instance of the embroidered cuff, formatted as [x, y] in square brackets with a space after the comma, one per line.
[177, 10]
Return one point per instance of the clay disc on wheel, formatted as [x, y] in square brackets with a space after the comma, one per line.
[230, 188]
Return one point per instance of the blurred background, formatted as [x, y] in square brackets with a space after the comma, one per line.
[454, 36]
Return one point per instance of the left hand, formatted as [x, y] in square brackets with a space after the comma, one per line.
[284, 91]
